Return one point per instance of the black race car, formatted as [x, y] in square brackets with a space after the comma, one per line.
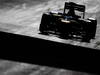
[67, 24]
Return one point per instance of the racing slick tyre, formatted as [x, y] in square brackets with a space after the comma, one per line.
[44, 24]
[93, 27]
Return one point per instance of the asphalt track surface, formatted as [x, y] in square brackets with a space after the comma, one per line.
[25, 18]
[19, 68]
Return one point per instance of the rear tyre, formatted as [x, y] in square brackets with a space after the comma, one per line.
[86, 39]
[93, 27]
[44, 24]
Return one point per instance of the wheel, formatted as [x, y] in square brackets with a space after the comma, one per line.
[93, 27]
[86, 40]
[86, 37]
[44, 23]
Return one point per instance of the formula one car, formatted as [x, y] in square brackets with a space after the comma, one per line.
[67, 24]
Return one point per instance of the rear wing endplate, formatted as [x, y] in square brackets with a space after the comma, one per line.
[77, 7]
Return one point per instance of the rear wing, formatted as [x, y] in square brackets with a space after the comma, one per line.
[77, 7]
